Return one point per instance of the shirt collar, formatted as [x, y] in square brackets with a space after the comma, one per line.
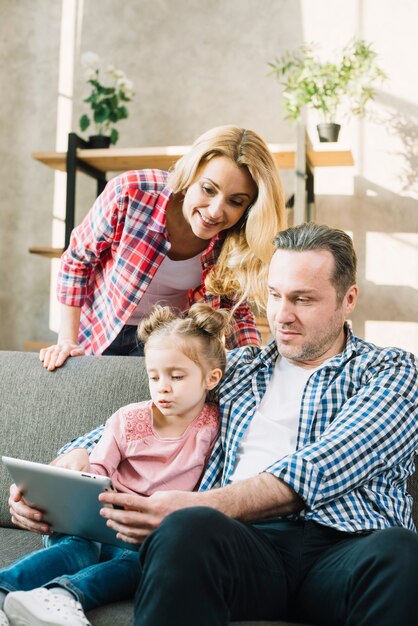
[158, 216]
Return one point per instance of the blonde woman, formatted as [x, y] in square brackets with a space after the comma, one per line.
[203, 231]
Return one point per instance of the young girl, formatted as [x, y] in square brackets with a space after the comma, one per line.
[160, 444]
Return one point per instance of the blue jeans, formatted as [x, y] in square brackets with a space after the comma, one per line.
[95, 573]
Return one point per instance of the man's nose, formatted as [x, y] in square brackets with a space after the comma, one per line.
[284, 313]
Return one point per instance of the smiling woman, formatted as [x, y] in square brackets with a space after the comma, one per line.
[203, 231]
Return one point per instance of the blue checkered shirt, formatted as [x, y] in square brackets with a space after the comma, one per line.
[357, 435]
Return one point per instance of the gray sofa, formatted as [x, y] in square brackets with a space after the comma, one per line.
[40, 411]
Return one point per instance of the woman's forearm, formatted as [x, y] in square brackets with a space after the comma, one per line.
[69, 324]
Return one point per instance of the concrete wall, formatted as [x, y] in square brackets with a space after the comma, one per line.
[196, 65]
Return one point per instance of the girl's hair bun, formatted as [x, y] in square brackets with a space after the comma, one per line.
[158, 319]
[207, 319]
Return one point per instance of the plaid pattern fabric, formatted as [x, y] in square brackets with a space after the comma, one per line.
[114, 254]
[357, 436]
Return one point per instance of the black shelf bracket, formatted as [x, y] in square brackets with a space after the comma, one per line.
[73, 164]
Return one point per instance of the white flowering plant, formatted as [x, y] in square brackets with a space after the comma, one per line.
[107, 102]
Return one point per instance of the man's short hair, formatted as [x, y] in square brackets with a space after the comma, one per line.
[310, 236]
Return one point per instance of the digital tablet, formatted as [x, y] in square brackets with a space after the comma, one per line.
[68, 499]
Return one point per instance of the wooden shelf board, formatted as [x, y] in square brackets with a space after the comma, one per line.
[263, 328]
[56, 160]
[51, 253]
[163, 157]
[160, 157]
[35, 346]
[330, 155]
[124, 159]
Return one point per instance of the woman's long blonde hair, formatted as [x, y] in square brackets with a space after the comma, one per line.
[241, 270]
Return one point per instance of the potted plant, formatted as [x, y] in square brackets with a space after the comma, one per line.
[345, 83]
[107, 102]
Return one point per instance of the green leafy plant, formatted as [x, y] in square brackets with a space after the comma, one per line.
[107, 102]
[327, 86]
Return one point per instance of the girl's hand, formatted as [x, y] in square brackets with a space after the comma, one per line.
[77, 459]
[24, 515]
[56, 355]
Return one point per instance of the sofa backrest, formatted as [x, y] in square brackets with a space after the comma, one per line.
[40, 411]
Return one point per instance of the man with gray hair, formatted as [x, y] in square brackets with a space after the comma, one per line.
[303, 511]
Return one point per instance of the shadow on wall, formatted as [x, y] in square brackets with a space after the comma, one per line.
[402, 122]
[384, 227]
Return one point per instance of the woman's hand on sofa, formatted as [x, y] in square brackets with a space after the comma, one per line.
[56, 355]
[67, 345]
[24, 515]
[76, 459]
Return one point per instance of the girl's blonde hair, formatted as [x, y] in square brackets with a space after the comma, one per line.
[199, 333]
[241, 270]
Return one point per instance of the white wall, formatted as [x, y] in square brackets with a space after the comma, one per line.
[196, 65]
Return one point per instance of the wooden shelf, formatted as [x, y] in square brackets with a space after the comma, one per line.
[263, 328]
[164, 157]
[159, 157]
[51, 253]
[35, 346]
[329, 155]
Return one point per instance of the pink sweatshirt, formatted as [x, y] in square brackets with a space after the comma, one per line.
[139, 461]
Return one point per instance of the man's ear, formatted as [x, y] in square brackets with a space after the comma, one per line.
[213, 378]
[350, 299]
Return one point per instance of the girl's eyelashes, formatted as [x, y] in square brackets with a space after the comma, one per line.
[173, 377]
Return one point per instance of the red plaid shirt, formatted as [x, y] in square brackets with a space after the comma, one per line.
[114, 254]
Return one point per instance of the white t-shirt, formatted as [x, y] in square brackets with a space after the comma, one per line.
[169, 287]
[272, 433]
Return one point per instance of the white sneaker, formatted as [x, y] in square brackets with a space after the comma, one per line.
[41, 607]
[3, 619]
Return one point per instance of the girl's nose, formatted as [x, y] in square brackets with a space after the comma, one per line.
[164, 386]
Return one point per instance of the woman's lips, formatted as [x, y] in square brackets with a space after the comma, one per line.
[206, 221]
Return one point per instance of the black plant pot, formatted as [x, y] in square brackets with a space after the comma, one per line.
[328, 132]
[98, 141]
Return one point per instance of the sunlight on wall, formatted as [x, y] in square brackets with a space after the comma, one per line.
[70, 27]
[401, 334]
[392, 259]
[333, 180]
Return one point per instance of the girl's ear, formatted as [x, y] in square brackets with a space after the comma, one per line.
[212, 378]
